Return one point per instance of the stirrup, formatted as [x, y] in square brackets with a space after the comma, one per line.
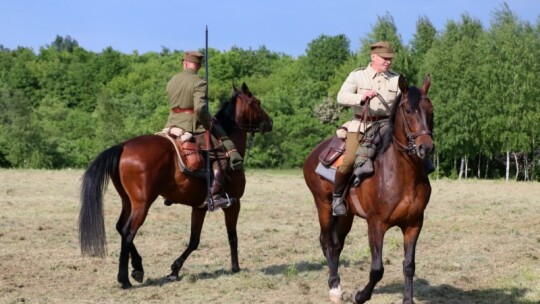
[339, 208]
[220, 202]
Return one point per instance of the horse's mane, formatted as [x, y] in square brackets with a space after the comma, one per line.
[226, 113]
[415, 96]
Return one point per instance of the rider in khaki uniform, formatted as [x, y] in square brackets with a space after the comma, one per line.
[363, 85]
[187, 96]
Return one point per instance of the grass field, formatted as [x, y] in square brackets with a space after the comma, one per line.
[480, 244]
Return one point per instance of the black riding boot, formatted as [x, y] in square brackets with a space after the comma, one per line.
[217, 192]
[339, 207]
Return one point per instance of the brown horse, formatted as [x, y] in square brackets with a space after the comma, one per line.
[395, 195]
[145, 167]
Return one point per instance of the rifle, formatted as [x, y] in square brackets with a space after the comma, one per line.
[208, 165]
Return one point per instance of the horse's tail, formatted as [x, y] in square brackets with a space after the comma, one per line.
[94, 183]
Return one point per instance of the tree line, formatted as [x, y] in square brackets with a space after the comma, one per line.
[62, 105]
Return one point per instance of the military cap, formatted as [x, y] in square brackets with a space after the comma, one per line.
[193, 56]
[383, 49]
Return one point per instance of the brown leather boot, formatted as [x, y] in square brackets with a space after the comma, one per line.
[216, 192]
[339, 207]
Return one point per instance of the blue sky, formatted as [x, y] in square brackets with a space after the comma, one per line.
[280, 25]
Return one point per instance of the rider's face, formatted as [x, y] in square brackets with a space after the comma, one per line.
[380, 64]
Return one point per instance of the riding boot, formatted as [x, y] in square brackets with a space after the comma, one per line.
[339, 208]
[428, 166]
[216, 191]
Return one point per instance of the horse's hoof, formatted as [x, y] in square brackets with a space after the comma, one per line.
[361, 297]
[137, 275]
[126, 285]
[235, 269]
[172, 277]
[336, 295]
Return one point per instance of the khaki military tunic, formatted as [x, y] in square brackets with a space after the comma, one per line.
[187, 95]
[360, 81]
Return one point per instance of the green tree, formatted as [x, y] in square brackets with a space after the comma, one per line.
[420, 44]
[456, 92]
[67, 44]
[22, 143]
[512, 51]
[22, 75]
[324, 55]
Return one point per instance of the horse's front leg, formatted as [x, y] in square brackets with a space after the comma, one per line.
[376, 233]
[410, 237]
[231, 220]
[197, 221]
[334, 230]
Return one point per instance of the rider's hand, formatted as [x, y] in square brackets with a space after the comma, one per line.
[367, 96]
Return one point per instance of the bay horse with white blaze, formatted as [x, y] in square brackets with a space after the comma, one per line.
[395, 195]
[146, 167]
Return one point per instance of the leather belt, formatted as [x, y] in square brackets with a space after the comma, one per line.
[371, 118]
[180, 110]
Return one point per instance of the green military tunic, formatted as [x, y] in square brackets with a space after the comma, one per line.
[187, 95]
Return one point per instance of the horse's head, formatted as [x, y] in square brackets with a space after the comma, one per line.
[412, 119]
[244, 111]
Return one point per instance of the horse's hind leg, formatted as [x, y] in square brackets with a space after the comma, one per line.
[410, 237]
[231, 220]
[197, 221]
[376, 233]
[136, 262]
[123, 259]
[128, 225]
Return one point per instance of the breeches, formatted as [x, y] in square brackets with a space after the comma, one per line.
[351, 143]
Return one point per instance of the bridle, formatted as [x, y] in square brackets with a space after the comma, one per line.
[410, 147]
[249, 126]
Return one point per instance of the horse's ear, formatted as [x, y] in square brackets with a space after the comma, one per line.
[403, 86]
[235, 89]
[427, 83]
[245, 88]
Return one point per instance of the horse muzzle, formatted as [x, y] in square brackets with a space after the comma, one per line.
[424, 146]
[266, 126]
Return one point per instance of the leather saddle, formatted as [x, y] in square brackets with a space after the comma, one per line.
[330, 158]
[191, 159]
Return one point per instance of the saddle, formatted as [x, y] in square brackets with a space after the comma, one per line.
[330, 158]
[191, 159]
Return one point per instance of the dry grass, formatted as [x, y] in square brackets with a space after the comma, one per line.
[480, 244]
